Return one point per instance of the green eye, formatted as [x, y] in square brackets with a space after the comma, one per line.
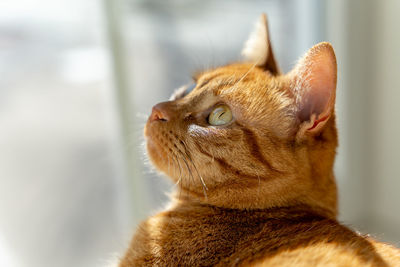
[220, 115]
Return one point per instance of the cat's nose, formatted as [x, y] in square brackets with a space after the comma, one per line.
[160, 112]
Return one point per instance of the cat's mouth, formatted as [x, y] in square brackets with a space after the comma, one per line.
[159, 145]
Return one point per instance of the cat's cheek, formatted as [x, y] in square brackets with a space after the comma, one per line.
[206, 132]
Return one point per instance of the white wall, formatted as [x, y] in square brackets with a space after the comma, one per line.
[385, 120]
[366, 37]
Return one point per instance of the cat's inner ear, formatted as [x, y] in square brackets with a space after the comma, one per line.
[313, 84]
[258, 49]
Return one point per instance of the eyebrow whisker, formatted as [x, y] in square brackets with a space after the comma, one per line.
[244, 76]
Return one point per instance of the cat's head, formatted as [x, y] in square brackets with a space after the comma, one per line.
[246, 136]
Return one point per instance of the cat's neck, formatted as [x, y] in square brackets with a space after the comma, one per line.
[321, 154]
[181, 202]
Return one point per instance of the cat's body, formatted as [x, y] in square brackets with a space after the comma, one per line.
[192, 234]
[252, 151]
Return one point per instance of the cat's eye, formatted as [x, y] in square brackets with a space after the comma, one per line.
[220, 115]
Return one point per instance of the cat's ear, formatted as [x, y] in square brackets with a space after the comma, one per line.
[258, 49]
[313, 85]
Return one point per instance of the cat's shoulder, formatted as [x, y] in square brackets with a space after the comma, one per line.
[330, 255]
[389, 253]
[330, 248]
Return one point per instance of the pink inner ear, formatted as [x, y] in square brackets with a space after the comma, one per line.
[317, 122]
[317, 73]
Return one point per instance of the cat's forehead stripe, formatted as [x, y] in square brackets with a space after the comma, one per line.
[229, 76]
[219, 84]
[203, 100]
[220, 77]
[206, 80]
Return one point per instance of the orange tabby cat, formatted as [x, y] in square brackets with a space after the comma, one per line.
[252, 151]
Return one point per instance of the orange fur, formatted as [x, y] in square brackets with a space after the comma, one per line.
[260, 190]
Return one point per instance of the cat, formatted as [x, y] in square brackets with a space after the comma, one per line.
[252, 152]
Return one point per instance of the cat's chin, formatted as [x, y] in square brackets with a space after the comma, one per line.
[157, 155]
[153, 151]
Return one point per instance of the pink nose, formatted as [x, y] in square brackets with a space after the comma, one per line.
[160, 112]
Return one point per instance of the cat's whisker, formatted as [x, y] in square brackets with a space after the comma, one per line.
[179, 179]
[194, 165]
[180, 176]
[201, 179]
[169, 165]
[187, 166]
[191, 174]
[235, 86]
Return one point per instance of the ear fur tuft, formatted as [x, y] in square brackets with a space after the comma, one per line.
[258, 48]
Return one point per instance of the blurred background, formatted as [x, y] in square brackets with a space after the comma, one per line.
[78, 79]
